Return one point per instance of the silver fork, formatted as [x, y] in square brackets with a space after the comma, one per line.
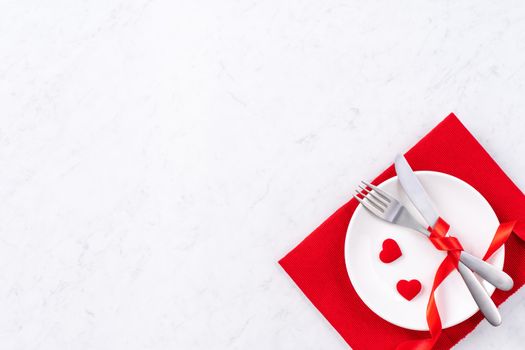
[387, 208]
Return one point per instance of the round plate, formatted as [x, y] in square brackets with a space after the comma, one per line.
[472, 221]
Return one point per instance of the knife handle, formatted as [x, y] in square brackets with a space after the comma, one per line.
[482, 299]
[488, 272]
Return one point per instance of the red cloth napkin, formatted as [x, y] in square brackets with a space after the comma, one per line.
[317, 264]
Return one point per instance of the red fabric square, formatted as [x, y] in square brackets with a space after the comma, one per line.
[317, 264]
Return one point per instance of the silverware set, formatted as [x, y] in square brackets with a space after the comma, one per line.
[386, 207]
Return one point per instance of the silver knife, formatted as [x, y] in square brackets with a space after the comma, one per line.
[419, 197]
[417, 194]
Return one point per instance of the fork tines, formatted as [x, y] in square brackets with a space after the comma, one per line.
[372, 197]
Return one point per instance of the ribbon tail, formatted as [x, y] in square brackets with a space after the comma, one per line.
[500, 237]
[423, 344]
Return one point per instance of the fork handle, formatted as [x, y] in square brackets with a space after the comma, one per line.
[482, 299]
[488, 272]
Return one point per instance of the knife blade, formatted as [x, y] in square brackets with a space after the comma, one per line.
[415, 191]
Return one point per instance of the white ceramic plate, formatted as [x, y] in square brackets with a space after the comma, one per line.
[472, 220]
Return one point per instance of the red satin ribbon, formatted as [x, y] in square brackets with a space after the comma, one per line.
[453, 248]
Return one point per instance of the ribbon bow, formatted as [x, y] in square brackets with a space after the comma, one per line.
[453, 248]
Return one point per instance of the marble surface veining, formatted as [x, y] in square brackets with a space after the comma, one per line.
[158, 157]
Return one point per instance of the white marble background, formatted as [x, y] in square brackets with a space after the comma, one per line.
[158, 157]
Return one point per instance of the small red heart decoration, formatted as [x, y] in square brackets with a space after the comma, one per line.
[409, 289]
[390, 252]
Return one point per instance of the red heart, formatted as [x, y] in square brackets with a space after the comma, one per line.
[390, 252]
[408, 289]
